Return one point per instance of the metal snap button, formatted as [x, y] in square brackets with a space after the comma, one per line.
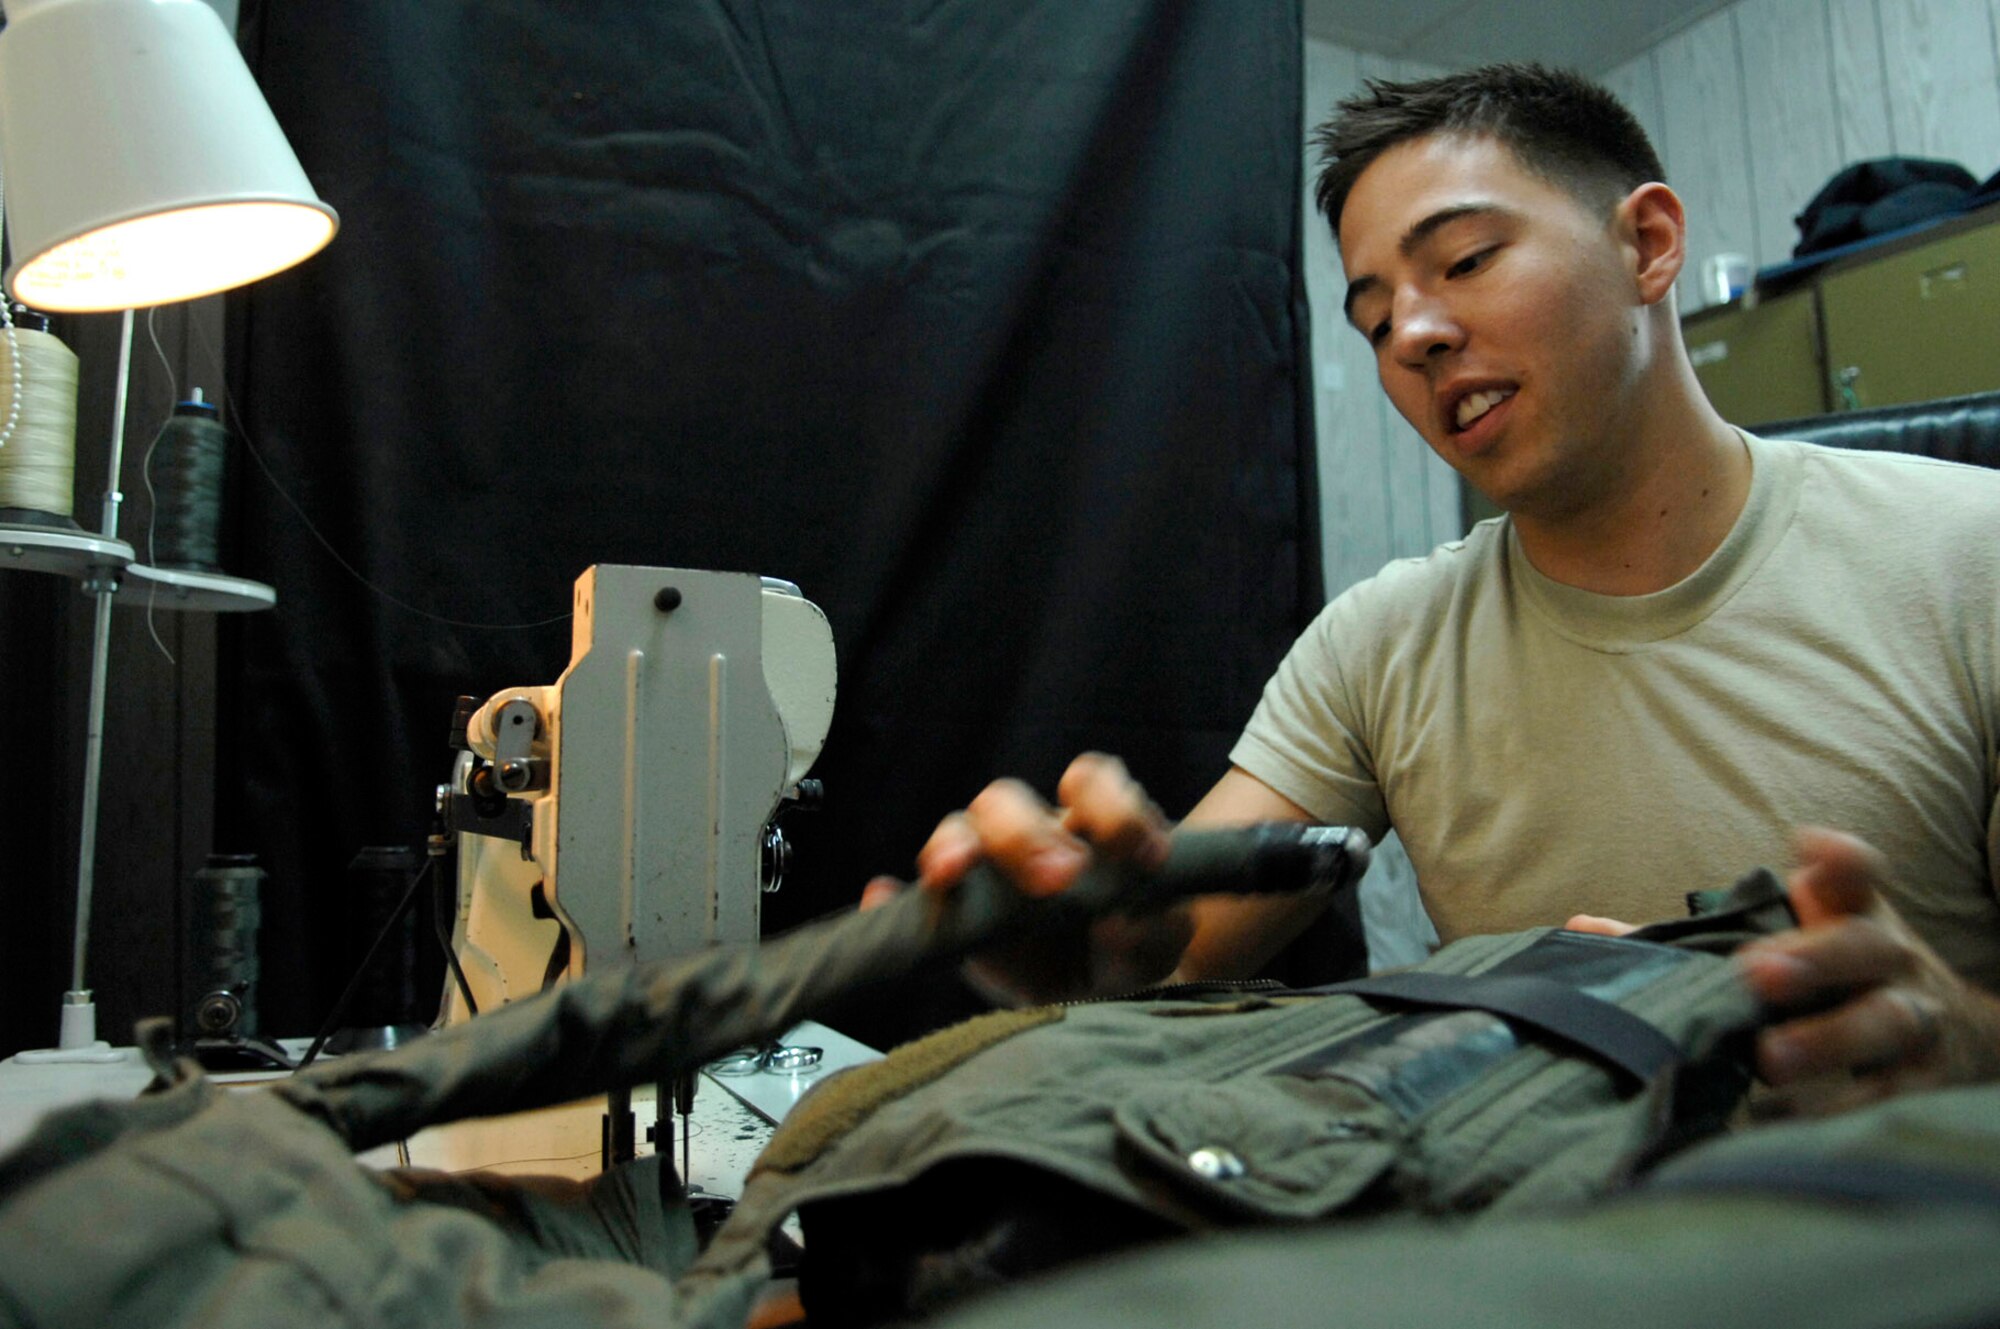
[1216, 1163]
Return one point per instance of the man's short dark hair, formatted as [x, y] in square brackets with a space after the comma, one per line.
[1558, 124]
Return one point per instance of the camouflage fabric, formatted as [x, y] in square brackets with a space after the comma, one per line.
[201, 1206]
[1888, 1216]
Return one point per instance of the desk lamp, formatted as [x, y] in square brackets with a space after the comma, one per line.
[141, 166]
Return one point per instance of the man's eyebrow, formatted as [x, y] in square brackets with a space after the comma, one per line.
[1414, 238]
[1429, 226]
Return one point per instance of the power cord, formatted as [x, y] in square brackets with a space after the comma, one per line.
[339, 1011]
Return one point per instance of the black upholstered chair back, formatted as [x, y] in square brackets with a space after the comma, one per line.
[1963, 429]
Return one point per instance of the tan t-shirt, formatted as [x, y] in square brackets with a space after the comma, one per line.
[1543, 750]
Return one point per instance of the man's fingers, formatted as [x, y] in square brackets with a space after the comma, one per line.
[1023, 838]
[1836, 876]
[1806, 968]
[879, 891]
[1819, 1096]
[1104, 804]
[1042, 852]
[1603, 927]
[1886, 1028]
[953, 847]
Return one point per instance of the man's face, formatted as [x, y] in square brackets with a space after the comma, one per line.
[1503, 314]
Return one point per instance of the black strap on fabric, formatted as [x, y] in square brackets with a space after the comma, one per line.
[1610, 1033]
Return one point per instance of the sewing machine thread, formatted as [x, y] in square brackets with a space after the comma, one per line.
[38, 462]
[224, 923]
[184, 470]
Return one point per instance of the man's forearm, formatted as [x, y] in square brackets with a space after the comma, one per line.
[1236, 937]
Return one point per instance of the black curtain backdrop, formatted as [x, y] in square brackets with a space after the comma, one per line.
[982, 321]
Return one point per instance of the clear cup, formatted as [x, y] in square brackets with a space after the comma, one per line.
[1724, 277]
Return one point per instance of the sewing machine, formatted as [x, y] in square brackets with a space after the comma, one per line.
[625, 812]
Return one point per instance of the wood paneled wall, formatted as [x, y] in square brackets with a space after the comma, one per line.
[1757, 105]
[1384, 495]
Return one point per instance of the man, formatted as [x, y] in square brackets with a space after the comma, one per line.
[1681, 643]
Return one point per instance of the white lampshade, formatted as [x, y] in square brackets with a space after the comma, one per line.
[142, 165]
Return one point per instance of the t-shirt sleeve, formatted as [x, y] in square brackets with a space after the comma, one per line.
[1307, 738]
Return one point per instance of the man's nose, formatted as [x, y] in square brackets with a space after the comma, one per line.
[1424, 329]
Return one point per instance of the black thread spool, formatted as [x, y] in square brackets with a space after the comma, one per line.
[382, 1012]
[224, 919]
[185, 470]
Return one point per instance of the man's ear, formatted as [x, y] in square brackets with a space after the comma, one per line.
[1653, 226]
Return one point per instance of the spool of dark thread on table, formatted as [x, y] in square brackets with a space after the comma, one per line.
[185, 470]
[224, 920]
[383, 1010]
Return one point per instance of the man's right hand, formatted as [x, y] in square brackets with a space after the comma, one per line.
[1101, 810]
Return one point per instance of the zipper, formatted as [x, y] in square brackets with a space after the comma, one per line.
[1206, 987]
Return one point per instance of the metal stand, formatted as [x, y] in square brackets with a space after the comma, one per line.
[620, 1144]
[78, 1040]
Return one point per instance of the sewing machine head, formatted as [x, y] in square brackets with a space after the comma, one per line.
[625, 812]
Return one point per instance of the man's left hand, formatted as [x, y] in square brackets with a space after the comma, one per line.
[1867, 1008]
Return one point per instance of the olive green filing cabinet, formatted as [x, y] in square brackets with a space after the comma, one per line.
[1760, 360]
[1919, 322]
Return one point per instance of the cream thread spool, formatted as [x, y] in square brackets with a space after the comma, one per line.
[38, 463]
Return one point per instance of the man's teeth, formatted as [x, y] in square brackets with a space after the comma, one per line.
[1479, 403]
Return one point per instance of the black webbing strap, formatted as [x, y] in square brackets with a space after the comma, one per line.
[1610, 1033]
